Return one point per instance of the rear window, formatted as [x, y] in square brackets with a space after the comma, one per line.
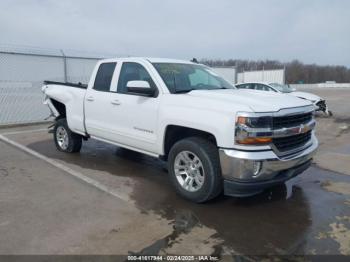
[104, 77]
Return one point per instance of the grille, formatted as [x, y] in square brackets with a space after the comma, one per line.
[291, 142]
[291, 121]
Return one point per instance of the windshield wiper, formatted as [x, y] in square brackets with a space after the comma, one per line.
[207, 89]
[198, 89]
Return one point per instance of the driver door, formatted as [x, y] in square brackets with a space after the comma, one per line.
[135, 116]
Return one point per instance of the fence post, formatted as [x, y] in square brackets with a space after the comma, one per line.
[263, 74]
[64, 66]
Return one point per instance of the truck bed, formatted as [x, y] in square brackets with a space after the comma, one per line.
[78, 85]
[71, 95]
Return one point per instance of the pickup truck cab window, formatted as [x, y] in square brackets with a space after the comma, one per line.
[132, 71]
[181, 78]
[104, 77]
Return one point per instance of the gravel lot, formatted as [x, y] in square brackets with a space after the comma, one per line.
[108, 200]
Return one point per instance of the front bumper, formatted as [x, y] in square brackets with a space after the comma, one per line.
[237, 169]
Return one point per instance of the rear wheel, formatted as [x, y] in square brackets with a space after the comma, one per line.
[194, 169]
[65, 139]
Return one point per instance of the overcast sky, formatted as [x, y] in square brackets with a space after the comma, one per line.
[314, 31]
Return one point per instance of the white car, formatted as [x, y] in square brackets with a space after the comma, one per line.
[319, 103]
[214, 137]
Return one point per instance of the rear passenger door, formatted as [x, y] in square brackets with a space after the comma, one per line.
[98, 103]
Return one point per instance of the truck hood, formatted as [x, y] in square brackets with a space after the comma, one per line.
[305, 95]
[257, 101]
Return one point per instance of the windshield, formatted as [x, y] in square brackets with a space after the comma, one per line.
[282, 88]
[181, 78]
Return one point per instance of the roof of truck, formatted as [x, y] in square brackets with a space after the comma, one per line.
[152, 60]
[166, 60]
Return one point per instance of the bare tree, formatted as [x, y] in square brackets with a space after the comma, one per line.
[296, 71]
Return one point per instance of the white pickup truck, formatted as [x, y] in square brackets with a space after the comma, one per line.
[214, 137]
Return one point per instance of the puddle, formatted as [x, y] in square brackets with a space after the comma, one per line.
[343, 218]
[281, 220]
[199, 241]
[237, 224]
[341, 234]
[188, 237]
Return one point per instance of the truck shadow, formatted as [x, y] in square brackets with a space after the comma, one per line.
[265, 223]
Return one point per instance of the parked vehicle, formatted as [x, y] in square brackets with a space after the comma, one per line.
[214, 137]
[319, 103]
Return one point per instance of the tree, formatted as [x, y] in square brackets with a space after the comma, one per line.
[296, 71]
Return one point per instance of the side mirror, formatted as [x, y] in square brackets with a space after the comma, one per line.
[140, 87]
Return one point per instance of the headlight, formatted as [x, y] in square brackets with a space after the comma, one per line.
[255, 122]
[250, 130]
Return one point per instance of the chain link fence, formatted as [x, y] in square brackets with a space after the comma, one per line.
[22, 72]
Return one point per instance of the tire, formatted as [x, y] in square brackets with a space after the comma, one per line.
[207, 171]
[65, 139]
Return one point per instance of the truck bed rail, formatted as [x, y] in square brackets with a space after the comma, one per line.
[79, 85]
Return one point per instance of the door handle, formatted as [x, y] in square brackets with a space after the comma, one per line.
[90, 98]
[115, 102]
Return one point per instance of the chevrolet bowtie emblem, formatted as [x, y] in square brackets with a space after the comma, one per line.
[301, 129]
[304, 128]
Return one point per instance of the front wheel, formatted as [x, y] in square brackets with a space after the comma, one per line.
[194, 169]
[65, 139]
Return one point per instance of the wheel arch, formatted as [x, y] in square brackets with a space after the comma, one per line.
[175, 133]
[60, 108]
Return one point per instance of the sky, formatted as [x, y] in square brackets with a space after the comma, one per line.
[313, 31]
